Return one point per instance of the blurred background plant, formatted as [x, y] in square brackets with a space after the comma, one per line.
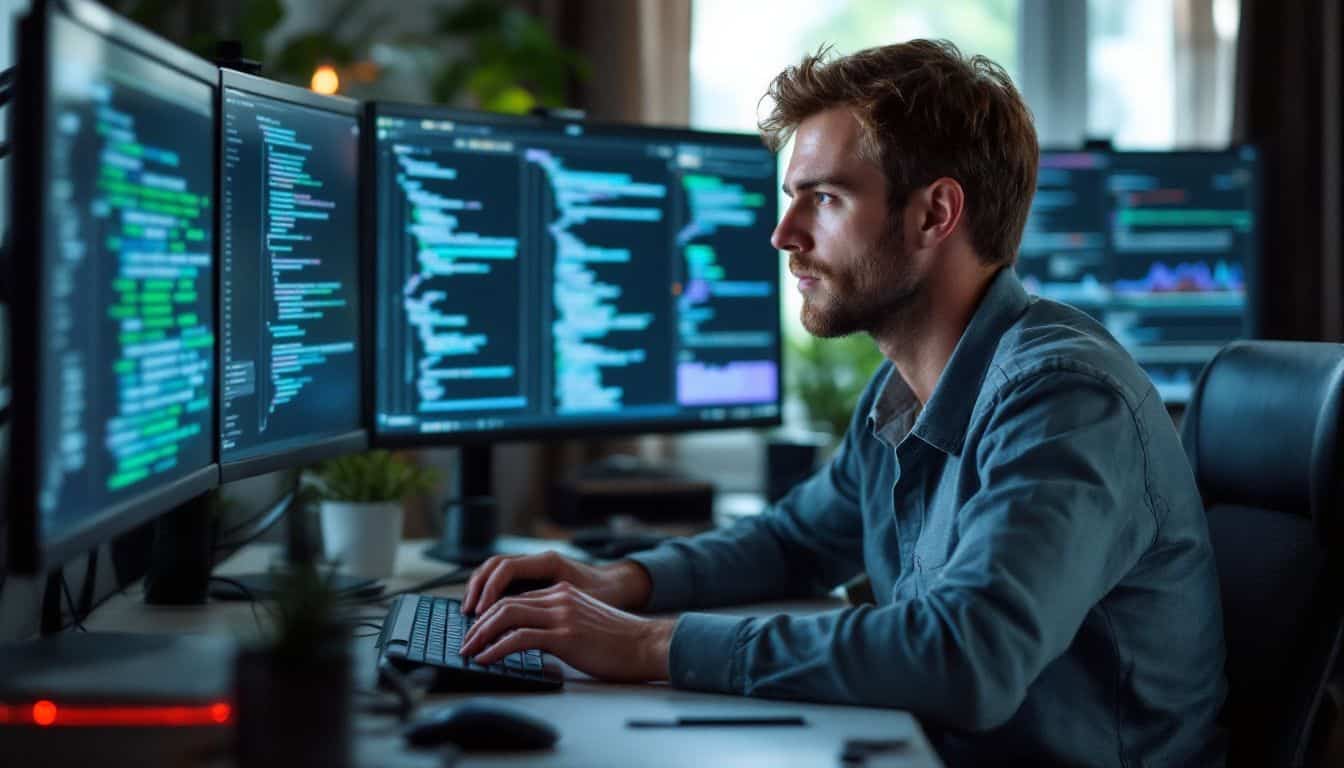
[372, 476]
[828, 375]
[482, 54]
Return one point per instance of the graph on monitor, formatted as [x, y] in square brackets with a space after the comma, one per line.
[1159, 246]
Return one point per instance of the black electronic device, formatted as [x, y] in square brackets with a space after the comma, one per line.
[113, 307]
[479, 725]
[289, 287]
[544, 276]
[113, 314]
[426, 631]
[791, 458]
[622, 486]
[1161, 247]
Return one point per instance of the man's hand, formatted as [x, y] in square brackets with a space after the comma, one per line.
[625, 585]
[585, 632]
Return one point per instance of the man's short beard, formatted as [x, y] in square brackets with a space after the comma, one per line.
[885, 296]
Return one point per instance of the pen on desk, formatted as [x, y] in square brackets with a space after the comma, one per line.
[732, 721]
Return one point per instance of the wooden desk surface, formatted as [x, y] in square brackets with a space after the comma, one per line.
[590, 715]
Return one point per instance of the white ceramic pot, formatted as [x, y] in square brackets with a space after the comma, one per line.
[362, 537]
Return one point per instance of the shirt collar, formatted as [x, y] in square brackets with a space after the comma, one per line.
[942, 423]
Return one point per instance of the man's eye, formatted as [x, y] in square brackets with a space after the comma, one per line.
[825, 198]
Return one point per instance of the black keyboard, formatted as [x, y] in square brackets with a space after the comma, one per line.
[427, 631]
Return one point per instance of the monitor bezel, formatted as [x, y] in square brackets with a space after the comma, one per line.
[329, 444]
[29, 552]
[598, 428]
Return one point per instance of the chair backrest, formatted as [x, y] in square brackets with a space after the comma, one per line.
[1263, 434]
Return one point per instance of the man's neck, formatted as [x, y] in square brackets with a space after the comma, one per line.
[921, 344]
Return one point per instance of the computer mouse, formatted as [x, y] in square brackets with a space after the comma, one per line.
[478, 725]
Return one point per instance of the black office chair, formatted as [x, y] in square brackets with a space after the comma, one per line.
[1263, 434]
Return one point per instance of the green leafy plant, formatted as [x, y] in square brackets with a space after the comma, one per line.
[828, 375]
[479, 53]
[512, 62]
[305, 616]
[370, 477]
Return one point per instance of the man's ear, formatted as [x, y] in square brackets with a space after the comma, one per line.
[937, 211]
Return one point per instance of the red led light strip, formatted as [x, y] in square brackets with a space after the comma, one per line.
[48, 713]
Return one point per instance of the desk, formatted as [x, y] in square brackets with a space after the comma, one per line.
[590, 715]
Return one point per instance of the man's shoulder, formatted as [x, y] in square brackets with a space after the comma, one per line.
[1057, 341]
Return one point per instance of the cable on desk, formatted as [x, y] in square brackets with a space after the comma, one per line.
[410, 687]
[89, 586]
[74, 611]
[259, 523]
[458, 576]
[252, 601]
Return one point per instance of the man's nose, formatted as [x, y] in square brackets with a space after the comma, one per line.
[789, 235]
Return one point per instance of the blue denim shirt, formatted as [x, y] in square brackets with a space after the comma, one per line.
[1045, 584]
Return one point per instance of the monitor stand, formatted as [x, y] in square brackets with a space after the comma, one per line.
[301, 549]
[471, 514]
[182, 553]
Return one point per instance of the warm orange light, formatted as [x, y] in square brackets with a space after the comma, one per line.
[44, 712]
[325, 80]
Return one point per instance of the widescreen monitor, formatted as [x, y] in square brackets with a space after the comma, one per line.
[289, 284]
[114, 331]
[1160, 246]
[540, 276]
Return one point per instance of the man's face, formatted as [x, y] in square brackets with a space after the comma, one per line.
[844, 245]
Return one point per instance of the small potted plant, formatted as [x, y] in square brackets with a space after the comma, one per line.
[361, 508]
[293, 688]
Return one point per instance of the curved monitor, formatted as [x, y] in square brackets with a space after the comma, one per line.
[540, 276]
[114, 330]
[289, 284]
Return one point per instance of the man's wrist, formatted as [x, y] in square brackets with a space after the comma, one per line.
[657, 649]
[630, 584]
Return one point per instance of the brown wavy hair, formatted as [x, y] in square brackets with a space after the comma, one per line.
[926, 111]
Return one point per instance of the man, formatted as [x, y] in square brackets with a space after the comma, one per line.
[1010, 482]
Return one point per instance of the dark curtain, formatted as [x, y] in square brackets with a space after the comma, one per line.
[1289, 83]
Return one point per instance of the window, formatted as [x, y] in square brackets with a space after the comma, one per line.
[1160, 72]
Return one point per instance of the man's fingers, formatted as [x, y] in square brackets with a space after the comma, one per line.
[542, 598]
[512, 642]
[477, 582]
[510, 614]
[544, 566]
